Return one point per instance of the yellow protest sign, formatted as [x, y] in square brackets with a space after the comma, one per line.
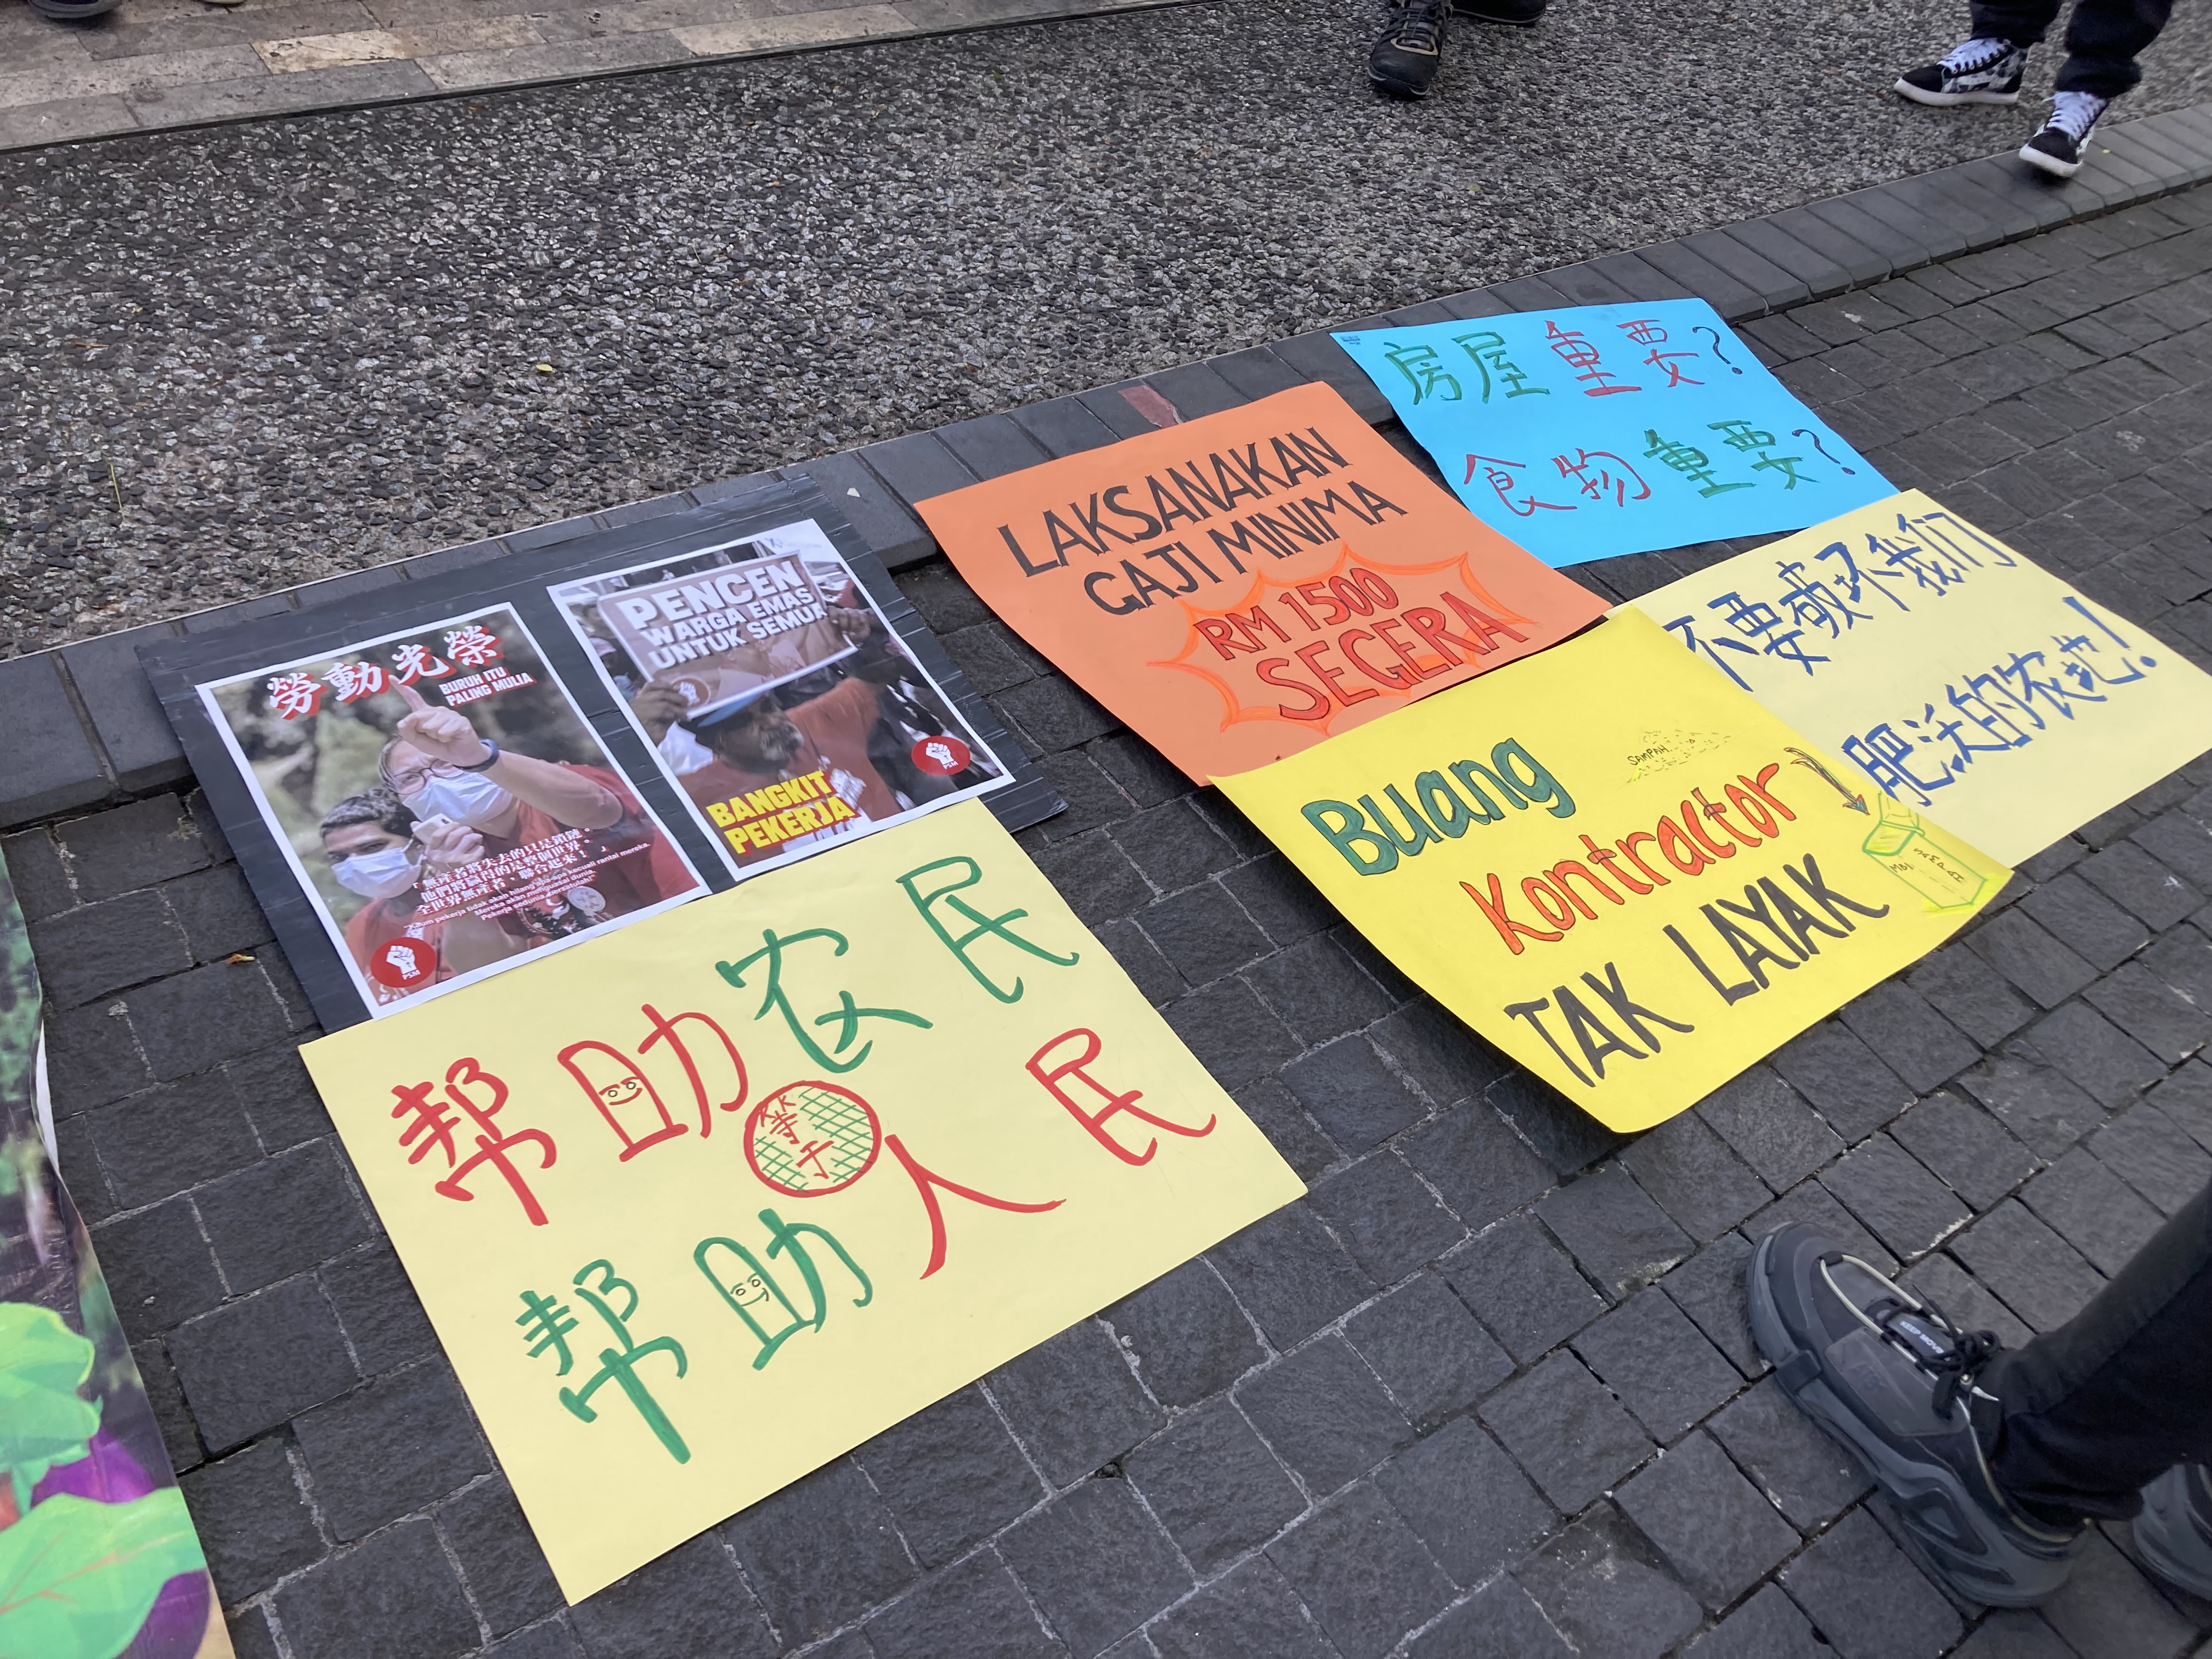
[700, 1205]
[1954, 672]
[1617, 866]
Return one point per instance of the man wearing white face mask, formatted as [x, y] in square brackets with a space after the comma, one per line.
[378, 849]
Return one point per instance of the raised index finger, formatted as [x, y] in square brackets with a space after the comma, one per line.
[413, 699]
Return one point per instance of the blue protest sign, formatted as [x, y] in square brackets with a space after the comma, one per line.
[1593, 431]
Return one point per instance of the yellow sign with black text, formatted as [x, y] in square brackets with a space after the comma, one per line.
[1617, 866]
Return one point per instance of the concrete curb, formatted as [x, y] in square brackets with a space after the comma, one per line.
[86, 730]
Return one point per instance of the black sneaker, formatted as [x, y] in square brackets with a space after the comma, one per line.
[1977, 71]
[1892, 1380]
[2175, 1531]
[1406, 58]
[1521, 13]
[2057, 148]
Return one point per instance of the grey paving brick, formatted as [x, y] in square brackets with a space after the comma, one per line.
[1971, 994]
[1290, 1275]
[1215, 1487]
[390, 1447]
[1482, 1170]
[976, 1608]
[1273, 893]
[1390, 1222]
[1073, 1402]
[2086, 921]
[1562, 1426]
[2135, 998]
[1501, 1621]
[391, 1597]
[158, 1266]
[2040, 1277]
[820, 1553]
[1909, 1036]
[1565, 1136]
[1249, 1611]
[52, 767]
[1701, 1184]
[950, 1475]
[194, 1020]
[2186, 1099]
[1096, 1564]
[1767, 1626]
[279, 1097]
[1316, 989]
[1655, 1361]
[1817, 1208]
[1430, 1352]
[500, 1560]
[2147, 1149]
[2180, 844]
[1709, 1288]
[1769, 1125]
[2132, 879]
[1352, 1094]
[281, 1216]
[253, 1519]
[1473, 1508]
[172, 1137]
[2093, 1210]
[2108, 1608]
[1601, 1584]
[1276, 1112]
[1865, 1597]
[1944, 1282]
[553, 1640]
[1846, 1081]
[1361, 1572]
[2008, 1633]
[96, 949]
[1522, 1287]
[1232, 1032]
[2099, 1057]
[1713, 1527]
[2038, 1104]
[1906, 1208]
[255, 1363]
[217, 913]
[1189, 1338]
[1322, 1411]
[1802, 1473]
[1448, 1062]
[1970, 1151]
[1203, 933]
[179, 1434]
[1620, 1238]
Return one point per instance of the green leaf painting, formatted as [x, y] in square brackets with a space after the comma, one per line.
[77, 1578]
[44, 1420]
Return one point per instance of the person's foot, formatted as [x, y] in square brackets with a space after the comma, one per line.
[1893, 1381]
[2175, 1531]
[72, 11]
[1521, 13]
[2057, 148]
[1405, 60]
[1977, 71]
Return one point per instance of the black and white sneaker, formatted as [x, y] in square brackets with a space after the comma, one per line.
[2057, 148]
[2175, 1531]
[1977, 71]
[1894, 1382]
[1406, 58]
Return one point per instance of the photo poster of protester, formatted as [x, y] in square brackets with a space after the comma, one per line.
[441, 803]
[775, 693]
[99, 1558]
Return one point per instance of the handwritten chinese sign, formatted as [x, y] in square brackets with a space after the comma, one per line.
[1240, 587]
[1600, 430]
[1951, 671]
[699, 1206]
[1618, 866]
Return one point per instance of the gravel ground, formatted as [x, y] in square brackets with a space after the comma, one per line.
[235, 358]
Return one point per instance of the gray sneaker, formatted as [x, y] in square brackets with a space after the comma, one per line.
[1892, 1380]
[2175, 1531]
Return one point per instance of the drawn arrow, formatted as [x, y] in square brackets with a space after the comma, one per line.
[1857, 803]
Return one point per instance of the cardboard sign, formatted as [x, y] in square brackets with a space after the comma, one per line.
[722, 636]
[774, 694]
[443, 804]
[1950, 670]
[1617, 866]
[1240, 587]
[699, 1207]
[1593, 431]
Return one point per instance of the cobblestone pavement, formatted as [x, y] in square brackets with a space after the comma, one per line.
[250, 356]
[1488, 1390]
[151, 65]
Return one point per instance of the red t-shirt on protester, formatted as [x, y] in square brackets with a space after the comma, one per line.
[836, 727]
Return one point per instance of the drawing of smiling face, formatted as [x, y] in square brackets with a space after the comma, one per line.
[749, 1291]
[621, 1092]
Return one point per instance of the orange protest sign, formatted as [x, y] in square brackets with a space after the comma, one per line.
[1240, 587]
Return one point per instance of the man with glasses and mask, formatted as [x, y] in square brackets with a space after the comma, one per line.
[470, 801]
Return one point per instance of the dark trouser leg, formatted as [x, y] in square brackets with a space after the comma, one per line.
[2096, 1409]
[2023, 22]
[2103, 39]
